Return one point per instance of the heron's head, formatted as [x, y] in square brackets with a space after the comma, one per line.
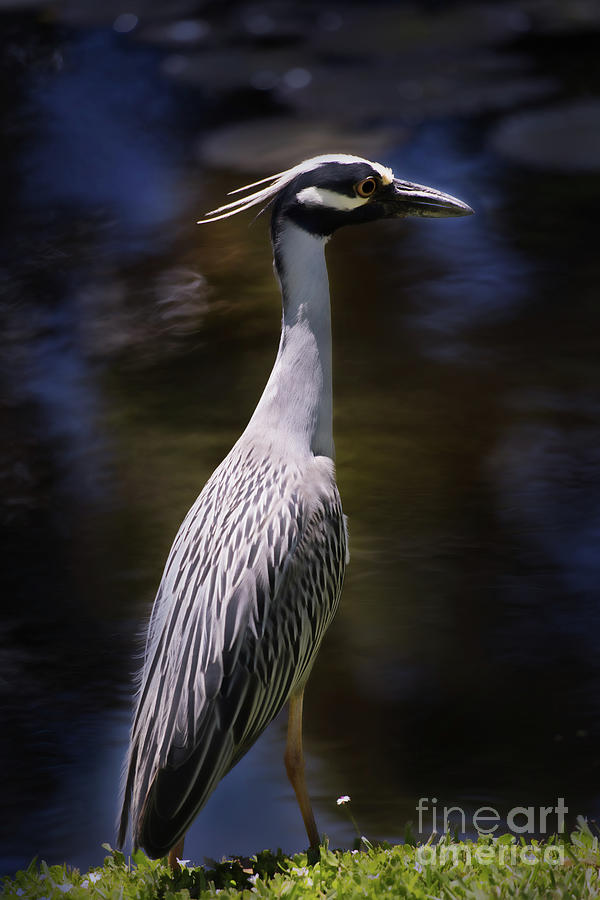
[324, 193]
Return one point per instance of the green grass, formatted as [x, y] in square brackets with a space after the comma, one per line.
[496, 868]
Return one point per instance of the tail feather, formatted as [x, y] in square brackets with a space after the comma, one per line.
[128, 778]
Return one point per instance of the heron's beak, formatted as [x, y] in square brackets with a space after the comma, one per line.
[409, 199]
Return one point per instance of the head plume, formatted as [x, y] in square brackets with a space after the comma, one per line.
[274, 183]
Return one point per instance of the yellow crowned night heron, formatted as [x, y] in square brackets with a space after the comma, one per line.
[254, 576]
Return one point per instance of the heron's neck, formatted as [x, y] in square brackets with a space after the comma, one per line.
[298, 395]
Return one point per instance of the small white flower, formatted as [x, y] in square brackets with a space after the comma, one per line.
[302, 871]
[418, 867]
[85, 883]
[65, 887]
[183, 862]
[343, 799]
[95, 876]
[19, 892]
[253, 878]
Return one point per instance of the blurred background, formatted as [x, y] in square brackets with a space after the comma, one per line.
[463, 663]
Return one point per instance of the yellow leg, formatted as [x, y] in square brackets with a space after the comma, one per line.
[176, 853]
[294, 764]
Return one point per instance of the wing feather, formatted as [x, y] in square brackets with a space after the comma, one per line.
[236, 625]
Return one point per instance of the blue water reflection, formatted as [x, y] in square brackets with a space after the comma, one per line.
[545, 478]
[105, 137]
[470, 273]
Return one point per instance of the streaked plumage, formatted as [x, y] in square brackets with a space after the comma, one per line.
[254, 576]
[251, 584]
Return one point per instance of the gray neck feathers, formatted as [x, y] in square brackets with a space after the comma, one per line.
[297, 401]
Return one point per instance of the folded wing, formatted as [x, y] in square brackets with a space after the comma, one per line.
[235, 627]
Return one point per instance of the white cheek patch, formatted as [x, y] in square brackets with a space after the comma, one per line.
[314, 196]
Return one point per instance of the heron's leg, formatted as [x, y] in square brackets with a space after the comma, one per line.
[176, 853]
[294, 764]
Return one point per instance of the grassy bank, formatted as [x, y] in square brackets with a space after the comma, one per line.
[487, 868]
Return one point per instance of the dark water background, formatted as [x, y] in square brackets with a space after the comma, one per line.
[463, 664]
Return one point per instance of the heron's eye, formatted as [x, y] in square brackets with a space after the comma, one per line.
[366, 187]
